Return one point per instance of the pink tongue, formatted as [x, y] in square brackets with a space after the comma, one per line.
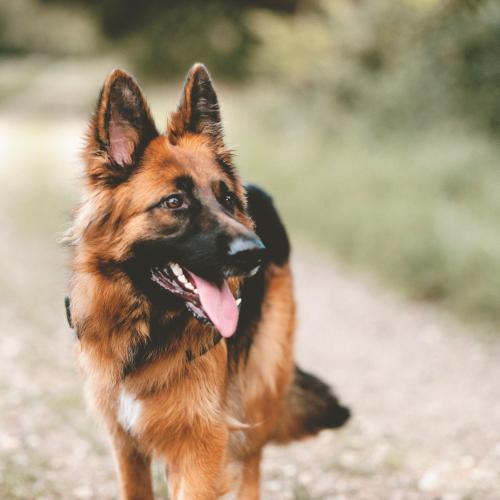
[219, 304]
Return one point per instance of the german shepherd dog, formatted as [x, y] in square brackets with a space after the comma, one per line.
[182, 300]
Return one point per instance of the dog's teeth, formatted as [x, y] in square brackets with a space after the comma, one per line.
[189, 286]
[176, 269]
[196, 291]
[253, 272]
[238, 301]
[182, 279]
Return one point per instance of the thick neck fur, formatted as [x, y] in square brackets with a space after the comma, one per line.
[121, 326]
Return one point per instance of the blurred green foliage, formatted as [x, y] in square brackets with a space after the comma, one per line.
[400, 63]
[162, 47]
[29, 27]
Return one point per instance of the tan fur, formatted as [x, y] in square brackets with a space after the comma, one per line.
[199, 418]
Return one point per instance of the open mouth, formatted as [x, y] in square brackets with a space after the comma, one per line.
[206, 301]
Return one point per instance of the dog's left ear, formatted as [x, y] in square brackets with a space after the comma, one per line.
[198, 111]
[120, 129]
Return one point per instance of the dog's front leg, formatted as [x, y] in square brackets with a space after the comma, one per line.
[134, 468]
[197, 471]
[250, 480]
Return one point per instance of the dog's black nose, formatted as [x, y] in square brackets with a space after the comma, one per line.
[245, 253]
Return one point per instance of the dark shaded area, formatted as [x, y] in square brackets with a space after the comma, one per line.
[120, 17]
[162, 35]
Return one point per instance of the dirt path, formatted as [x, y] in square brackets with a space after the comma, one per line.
[425, 396]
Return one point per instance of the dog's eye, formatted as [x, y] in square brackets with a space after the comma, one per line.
[173, 201]
[229, 199]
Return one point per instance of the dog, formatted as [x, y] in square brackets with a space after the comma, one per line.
[182, 301]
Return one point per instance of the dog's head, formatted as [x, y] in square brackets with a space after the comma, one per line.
[168, 210]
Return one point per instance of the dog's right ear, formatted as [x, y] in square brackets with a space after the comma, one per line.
[198, 111]
[120, 130]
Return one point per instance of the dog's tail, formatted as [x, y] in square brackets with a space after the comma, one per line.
[309, 407]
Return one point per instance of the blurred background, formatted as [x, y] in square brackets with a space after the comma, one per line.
[375, 124]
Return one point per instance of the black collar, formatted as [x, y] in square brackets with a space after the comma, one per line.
[68, 311]
[190, 356]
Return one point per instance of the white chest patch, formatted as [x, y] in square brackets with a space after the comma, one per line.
[129, 410]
